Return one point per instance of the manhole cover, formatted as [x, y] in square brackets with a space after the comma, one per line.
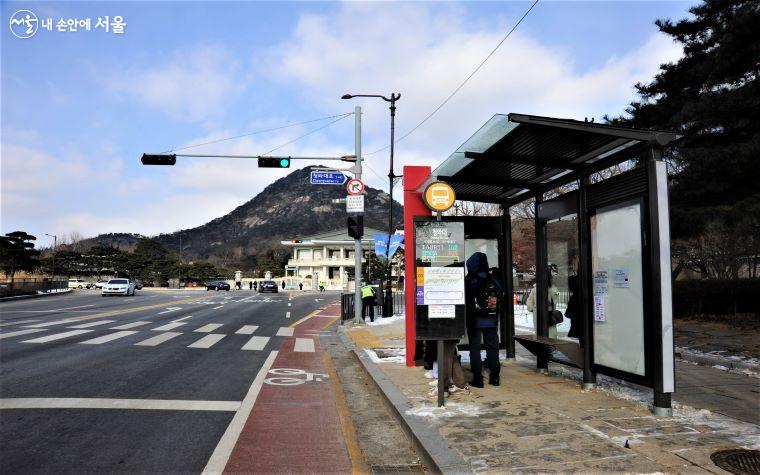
[738, 461]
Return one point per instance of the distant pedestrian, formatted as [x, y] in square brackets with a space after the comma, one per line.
[250, 285]
[484, 300]
[368, 301]
[300, 286]
[255, 285]
[321, 286]
[283, 285]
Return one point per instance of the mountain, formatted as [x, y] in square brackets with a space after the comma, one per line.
[287, 209]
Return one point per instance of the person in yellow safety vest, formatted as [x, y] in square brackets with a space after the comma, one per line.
[368, 301]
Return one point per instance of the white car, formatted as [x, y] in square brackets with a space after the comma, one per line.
[79, 284]
[118, 287]
[100, 284]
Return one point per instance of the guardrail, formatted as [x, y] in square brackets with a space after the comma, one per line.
[30, 286]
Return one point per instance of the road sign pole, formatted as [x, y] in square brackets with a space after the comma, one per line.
[358, 242]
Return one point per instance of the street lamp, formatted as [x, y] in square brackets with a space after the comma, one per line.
[388, 304]
[55, 244]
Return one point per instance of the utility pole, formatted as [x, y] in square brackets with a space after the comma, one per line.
[358, 241]
[388, 301]
[179, 279]
[55, 244]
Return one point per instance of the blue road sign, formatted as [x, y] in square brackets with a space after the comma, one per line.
[327, 178]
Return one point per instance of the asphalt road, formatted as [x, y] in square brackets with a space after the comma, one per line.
[132, 384]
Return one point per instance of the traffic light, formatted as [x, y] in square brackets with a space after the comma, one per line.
[274, 162]
[356, 226]
[164, 159]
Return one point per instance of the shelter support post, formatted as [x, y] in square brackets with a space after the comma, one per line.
[542, 327]
[662, 299]
[508, 312]
[414, 177]
[584, 281]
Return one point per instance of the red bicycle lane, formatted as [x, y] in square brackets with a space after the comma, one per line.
[295, 425]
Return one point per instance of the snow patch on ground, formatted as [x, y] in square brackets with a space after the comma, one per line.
[451, 409]
[384, 321]
[395, 355]
[742, 433]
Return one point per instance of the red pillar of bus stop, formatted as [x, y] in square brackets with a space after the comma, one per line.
[413, 206]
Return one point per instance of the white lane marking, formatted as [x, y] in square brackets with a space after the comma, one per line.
[169, 309]
[102, 403]
[21, 332]
[158, 339]
[247, 330]
[256, 343]
[288, 304]
[168, 326]
[217, 307]
[207, 341]
[52, 310]
[304, 345]
[287, 314]
[106, 338]
[50, 324]
[57, 336]
[183, 318]
[130, 325]
[223, 450]
[285, 331]
[93, 324]
[17, 322]
[247, 298]
[208, 328]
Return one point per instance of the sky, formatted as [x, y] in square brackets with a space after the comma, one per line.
[79, 108]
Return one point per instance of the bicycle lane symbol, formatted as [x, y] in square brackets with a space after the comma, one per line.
[293, 377]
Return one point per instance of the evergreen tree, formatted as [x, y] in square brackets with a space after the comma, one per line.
[17, 253]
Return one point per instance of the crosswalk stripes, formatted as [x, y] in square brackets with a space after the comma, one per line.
[304, 345]
[130, 325]
[158, 339]
[247, 330]
[50, 324]
[208, 328]
[17, 322]
[207, 341]
[285, 331]
[256, 343]
[106, 338]
[57, 336]
[168, 326]
[21, 332]
[93, 324]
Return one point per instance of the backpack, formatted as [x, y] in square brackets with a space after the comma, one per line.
[488, 297]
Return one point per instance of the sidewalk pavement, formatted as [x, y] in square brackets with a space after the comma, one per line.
[538, 422]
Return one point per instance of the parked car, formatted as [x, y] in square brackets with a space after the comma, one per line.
[79, 284]
[118, 287]
[99, 284]
[268, 286]
[218, 285]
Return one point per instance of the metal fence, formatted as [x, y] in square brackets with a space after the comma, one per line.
[30, 286]
[347, 305]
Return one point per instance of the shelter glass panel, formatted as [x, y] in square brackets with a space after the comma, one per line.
[562, 256]
[618, 287]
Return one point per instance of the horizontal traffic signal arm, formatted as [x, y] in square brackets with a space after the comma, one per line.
[264, 162]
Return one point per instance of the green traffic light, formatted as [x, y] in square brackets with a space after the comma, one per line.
[284, 163]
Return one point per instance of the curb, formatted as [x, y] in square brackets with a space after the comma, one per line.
[438, 456]
[710, 360]
[33, 296]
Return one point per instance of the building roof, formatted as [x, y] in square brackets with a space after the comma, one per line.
[333, 237]
[512, 157]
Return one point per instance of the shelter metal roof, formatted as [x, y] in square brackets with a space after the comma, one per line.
[512, 157]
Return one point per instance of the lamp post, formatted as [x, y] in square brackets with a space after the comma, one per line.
[179, 278]
[55, 244]
[388, 303]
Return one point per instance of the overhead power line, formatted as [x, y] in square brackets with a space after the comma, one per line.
[339, 116]
[308, 133]
[431, 114]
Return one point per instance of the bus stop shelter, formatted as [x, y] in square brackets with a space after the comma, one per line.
[602, 249]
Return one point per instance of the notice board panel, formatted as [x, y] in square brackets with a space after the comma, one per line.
[439, 280]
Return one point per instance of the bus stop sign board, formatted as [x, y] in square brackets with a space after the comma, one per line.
[440, 292]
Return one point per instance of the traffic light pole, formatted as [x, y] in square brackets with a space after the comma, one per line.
[358, 241]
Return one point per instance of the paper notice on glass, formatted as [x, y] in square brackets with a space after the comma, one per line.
[600, 308]
[600, 282]
[444, 286]
[620, 279]
[441, 311]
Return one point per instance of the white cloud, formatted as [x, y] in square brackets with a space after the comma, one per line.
[194, 85]
[425, 51]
